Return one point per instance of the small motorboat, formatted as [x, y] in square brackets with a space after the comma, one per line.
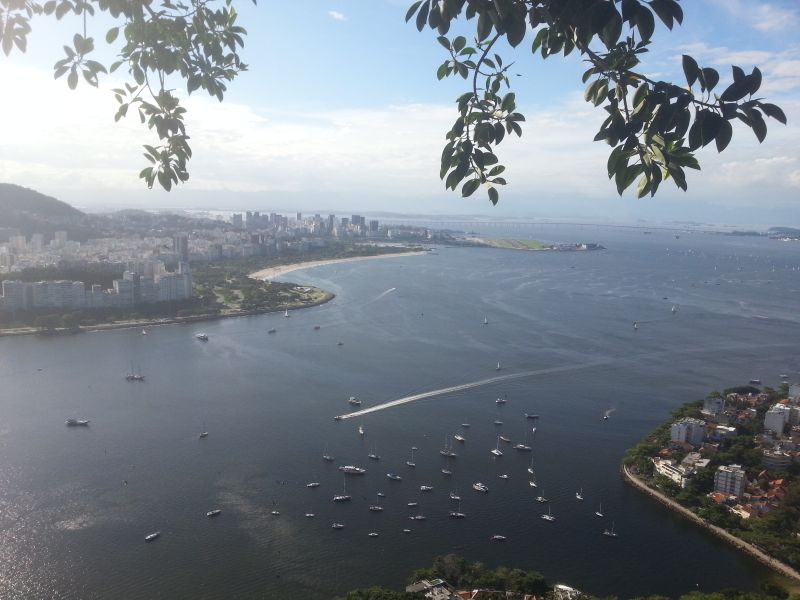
[373, 534]
[498, 538]
[337, 526]
[275, 513]
[503, 476]
[313, 484]
[152, 536]
[214, 513]
[76, 423]
[480, 487]
[425, 488]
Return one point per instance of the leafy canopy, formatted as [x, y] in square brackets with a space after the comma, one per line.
[653, 127]
[196, 41]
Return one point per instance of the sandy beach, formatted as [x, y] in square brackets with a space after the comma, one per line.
[273, 272]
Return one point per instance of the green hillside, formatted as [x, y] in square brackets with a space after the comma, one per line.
[31, 212]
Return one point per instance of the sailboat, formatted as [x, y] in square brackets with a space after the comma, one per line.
[446, 469]
[610, 532]
[496, 450]
[599, 511]
[343, 497]
[377, 506]
[457, 514]
[204, 433]
[134, 376]
[327, 457]
[373, 455]
[485, 320]
[144, 331]
[447, 450]
[286, 314]
[523, 447]
[549, 516]
[498, 367]
[674, 309]
[361, 429]
[530, 467]
[579, 494]
[410, 462]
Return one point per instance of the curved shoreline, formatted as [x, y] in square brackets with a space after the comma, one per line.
[263, 274]
[773, 563]
[272, 272]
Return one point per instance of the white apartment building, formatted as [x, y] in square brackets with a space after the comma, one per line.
[729, 480]
[777, 417]
[688, 430]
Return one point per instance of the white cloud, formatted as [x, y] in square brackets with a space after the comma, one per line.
[764, 16]
[781, 70]
[336, 16]
[66, 144]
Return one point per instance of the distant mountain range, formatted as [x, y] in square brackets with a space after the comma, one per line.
[28, 211]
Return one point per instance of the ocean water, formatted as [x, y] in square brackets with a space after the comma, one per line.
[71, 528]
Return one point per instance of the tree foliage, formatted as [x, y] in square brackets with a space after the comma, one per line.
[161, 41]
[653, 127]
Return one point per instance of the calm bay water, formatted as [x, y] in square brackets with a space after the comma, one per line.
[70, 528]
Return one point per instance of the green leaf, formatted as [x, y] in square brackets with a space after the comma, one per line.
[72, 78]
[773, 111]
[493, 195]
[412, 9]
[724, 135]
[469, 187]
[690, 69]
[444, 42]
[644, 186]
[112, 34]
[710, 78]
[422, 16]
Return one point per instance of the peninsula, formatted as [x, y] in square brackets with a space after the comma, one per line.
[729, 464]
[531, 245]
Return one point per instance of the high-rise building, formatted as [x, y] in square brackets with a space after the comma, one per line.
[777, 417]
[180, 245]
[236, 221]
[729, 480]
[373, 226]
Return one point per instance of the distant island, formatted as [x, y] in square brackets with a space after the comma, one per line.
[729, 463]
[532, 245]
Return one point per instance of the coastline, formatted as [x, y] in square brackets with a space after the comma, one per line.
[263, 274]
[780, 567]
[273, 272]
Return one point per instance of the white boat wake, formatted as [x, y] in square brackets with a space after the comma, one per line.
[387, 292]
[469, 386]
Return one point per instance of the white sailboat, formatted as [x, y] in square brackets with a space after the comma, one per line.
[599, 511]
[410, 462]
[549, 516]
[457, 514]
[485, 320]
[610, 532]
[530, 466]
[579, 494]
[327, 457]
[523, 447]
[377, 506]
[373, 455]
[286, 314]
[496, 450]
[361, 429]
[343, 497]
[498, 367]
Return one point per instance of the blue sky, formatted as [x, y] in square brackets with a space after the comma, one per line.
[341, 110]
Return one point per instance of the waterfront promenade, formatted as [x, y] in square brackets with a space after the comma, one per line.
[773, 563]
